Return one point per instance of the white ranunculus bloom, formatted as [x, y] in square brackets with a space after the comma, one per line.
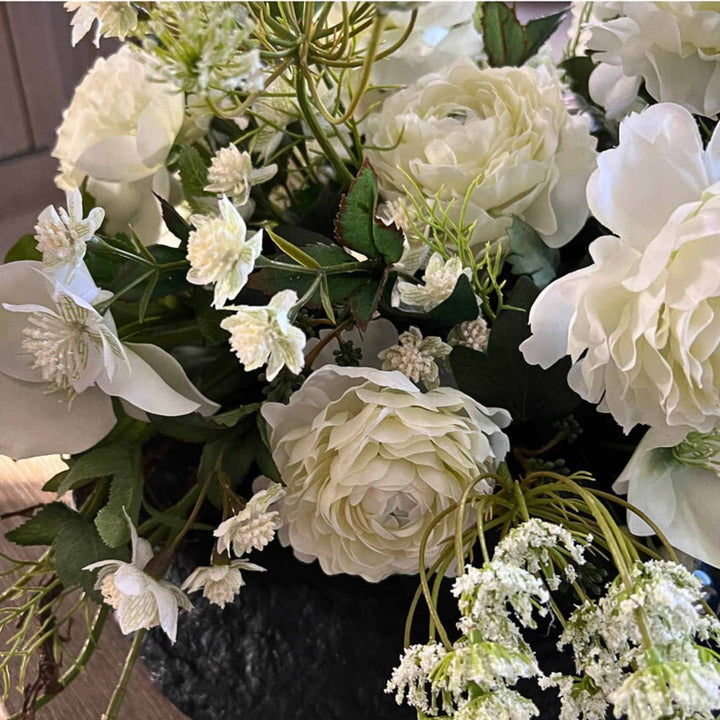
[141, 601]
[220, 252]
[368, 461]
[118, 131]
[642, 323]
[61, 362]
[219, 583]
[675, 482]
[505, 129]
[673, 47]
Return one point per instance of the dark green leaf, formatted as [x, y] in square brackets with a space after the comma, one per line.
[193, 174]
[173, 221]
[388, 240]
[94, 464]
[42, 528]
[209, 318]
[195, 428]
[501, 377]
[24, 249]
[577, 71]
[539, 31]
[354, 223]
[364, 301]
[55, 481]
[529, 255]
[292, 251]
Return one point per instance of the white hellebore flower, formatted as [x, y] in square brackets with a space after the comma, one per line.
[675, 483]
[265, 334]
[219, 583]
[502, 134]
[368, 461]
[114, 19]
[254, 526]
[118, 131]
[231, 172]
[439, 281]
[673, 47]
[141, 600]
[414, 356]
[61, 362]
[61, 234]
[641, 323]
[220, 252]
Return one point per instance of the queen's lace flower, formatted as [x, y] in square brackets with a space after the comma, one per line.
[438, 283]
[114, 19]
[579, 699]
[472, 334]
[141, 600]
[260, 335]
[501, 704]
[414, 356]
[220, 252]
[231, 172]
[61, 234]
[254, 526]
[412, 676]
[219, 583]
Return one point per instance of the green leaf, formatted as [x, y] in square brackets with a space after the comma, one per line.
[42, 528]
[577, 71]
[208, 317]
[174, 222]
[364, 301]
[193, 174]
[529, 255]
[55, 481]
[96, 463]
[24, 249]
[195, 428]
[300, 257]
[326, 299]
[126, 491]
[501, 377]
[507, 41]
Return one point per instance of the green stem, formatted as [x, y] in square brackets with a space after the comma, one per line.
[103, 306]
[118, 695]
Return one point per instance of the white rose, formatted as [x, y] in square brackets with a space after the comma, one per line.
[118, 131]
[674, 47]
[369, 461]
[642, 323]
[505, 129]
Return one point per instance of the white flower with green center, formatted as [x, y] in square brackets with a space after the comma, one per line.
[414, 356]
[141, 600]
[220, 253]
[61, 234]
[114, 19]
[675, 482]
[220, 583]
[265, 334]
[61, 362]
[254, 526]
[231, 172]
[439, 281]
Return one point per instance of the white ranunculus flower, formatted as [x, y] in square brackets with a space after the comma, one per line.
[675, 482]
[673, 47]
[368, 461]
[61, 362]
[141, 601]
[118, 131]
[506, 130]
[642, 323]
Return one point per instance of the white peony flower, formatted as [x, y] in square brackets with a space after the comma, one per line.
[675, 483]
[61, 234]
[141, 600]
[506, 130]
[219, 583]
[414, 356]
[640, 323]
[254, 526]
[473, 334]
[439, 281]
[114, 19]
[118, 131]
[265, 334]
[231, 172]
[673, 47]
[368, 461]
[61, 362]
[220, 252]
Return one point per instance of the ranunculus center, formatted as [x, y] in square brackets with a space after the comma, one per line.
[391, 509]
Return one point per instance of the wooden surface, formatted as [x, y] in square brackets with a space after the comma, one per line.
[87, 697]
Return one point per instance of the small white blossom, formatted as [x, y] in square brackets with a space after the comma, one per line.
[412, 675]
[578, 700]
[473, 334]
[265, 334]
[401, 213]
[141, 600]
[219, 583]
[414, 356]
[61, 235]
[231, 172]
[254, 526]
[438, 283]
[114, 19]
[220, 252]
[502, 704]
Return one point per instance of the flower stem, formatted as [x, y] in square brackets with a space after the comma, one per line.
[118, 695]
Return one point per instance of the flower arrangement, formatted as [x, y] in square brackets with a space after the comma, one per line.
[406, 293]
